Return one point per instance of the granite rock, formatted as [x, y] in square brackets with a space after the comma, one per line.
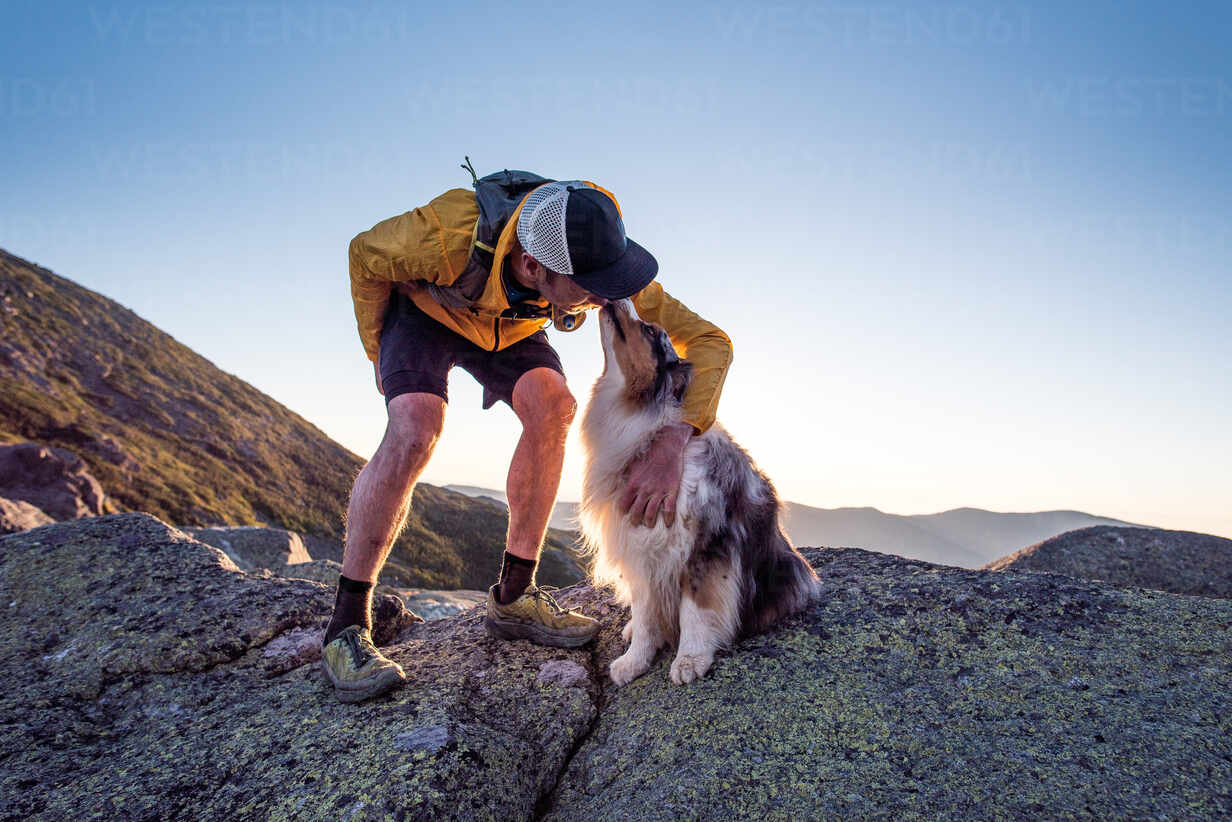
[54, 480]
[19, 515]
[253, 548]
[1182, 562]
[149, 678]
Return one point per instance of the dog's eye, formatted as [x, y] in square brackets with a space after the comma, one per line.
[648, 331]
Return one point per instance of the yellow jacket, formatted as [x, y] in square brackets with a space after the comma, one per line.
[425, 251]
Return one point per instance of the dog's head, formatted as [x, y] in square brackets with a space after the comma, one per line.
[641, 356]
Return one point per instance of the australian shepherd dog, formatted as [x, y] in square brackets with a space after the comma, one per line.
[724, 568]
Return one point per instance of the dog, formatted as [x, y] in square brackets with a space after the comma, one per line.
[724, 568]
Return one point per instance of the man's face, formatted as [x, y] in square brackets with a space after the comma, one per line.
[567, 295]
[558, 289]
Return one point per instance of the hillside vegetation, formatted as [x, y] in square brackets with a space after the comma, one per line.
[168, 433]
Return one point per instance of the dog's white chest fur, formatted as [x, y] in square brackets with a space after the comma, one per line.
[724, 564]
[644, 565]
[654, 556]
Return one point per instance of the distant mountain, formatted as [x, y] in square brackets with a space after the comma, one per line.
[965, 537]
[564, 515]
[168, 433]
[876, 531]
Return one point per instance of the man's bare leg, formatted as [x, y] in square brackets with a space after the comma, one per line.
[546, 408]
[381, 501]
[381, 498]
[542, 401]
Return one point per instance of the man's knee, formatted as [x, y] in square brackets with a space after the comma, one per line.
[542, 398]
[415, 424]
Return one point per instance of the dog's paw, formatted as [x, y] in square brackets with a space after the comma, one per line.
[626, 633]
[625, 669]
[687, 668]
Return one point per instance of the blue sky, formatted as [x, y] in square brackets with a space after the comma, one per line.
[969, 254]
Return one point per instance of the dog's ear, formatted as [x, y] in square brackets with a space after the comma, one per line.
[680, 373]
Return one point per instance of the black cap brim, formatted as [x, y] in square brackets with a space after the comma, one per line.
[631, 272]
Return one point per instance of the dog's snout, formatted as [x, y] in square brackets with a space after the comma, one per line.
[612, 313]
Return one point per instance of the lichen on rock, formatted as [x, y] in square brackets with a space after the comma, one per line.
[1182, 562]
[920, 692]
[149, 678]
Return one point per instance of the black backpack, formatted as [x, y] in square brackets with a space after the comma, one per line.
[497, 196]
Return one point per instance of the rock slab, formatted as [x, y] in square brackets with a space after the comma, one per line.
[922, 692]
[53, 480]
[253, 548]
[1181, 562]
[150, 679]
[19, 515]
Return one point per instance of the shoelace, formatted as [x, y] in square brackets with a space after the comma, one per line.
[359, 645]
[542, 593]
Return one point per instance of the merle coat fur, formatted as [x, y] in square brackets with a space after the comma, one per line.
[724, 568]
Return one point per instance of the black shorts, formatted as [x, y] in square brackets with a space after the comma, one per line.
[417, 353]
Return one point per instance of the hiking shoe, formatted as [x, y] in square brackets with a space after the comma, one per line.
[536, 616]
[356, 668]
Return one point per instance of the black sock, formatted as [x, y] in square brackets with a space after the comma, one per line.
[516, 576]
[352, 606]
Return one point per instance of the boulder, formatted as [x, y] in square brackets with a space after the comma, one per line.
[440, 604]
[914, 691]
[153, 689]
[322, 547]
[19, 515]
[52, 479]
[148, 678]
[1182, 562]
[324, 571]
[425, 604]
[252, 548]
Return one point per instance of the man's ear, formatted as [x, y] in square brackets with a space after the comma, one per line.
[535, 270]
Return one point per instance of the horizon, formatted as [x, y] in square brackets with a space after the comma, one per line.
[969, 257]
[875, 508]
[450, 485]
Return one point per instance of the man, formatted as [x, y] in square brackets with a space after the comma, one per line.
[471, 279]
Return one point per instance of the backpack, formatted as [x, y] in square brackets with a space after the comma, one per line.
[497, 196]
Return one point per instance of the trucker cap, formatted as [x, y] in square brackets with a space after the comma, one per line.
[574, 228]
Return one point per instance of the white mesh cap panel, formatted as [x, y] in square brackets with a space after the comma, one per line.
[541, 225]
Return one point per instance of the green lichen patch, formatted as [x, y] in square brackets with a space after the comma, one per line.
[139, 689]
[919, 692]
[1182, 562]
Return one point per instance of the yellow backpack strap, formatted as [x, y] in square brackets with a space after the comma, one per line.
[475, 240]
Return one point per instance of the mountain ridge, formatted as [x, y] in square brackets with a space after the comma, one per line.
[932, 537]
[166, 432]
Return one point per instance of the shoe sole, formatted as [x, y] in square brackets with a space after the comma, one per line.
[358, 691]
[534, 633]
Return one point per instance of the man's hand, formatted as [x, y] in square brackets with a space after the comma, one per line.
[376, 366]
[654, 477]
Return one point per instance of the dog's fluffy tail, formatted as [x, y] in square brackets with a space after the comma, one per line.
[784, 584]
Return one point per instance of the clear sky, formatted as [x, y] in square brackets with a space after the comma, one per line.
[969, 254]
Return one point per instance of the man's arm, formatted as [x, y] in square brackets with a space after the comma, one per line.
[654, 478]
[700, 342]
[430, 244]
